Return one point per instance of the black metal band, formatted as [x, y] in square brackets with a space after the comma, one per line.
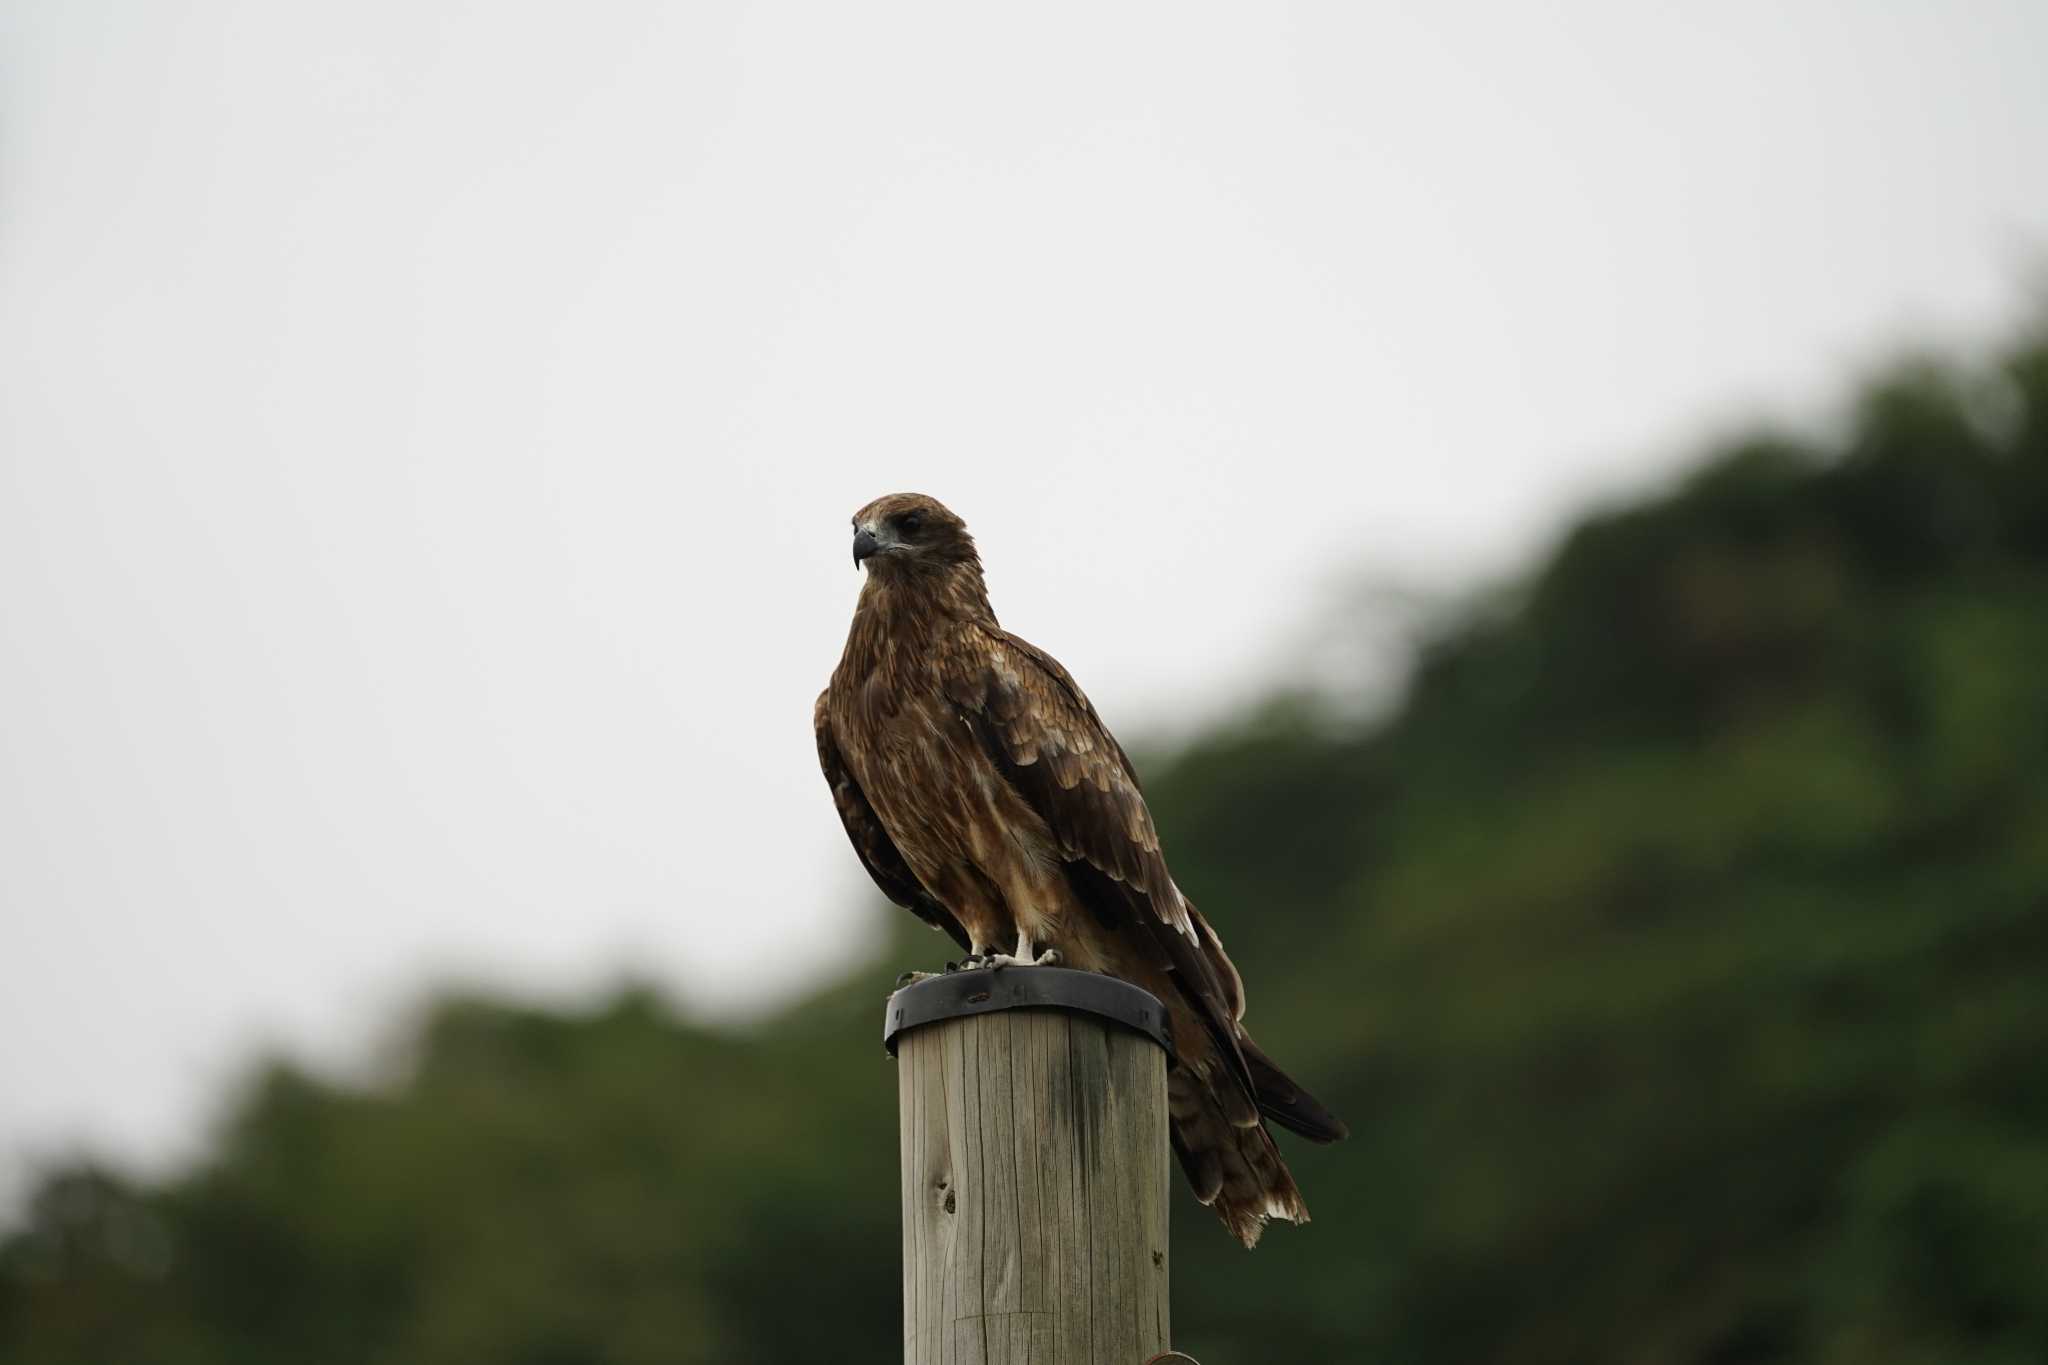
[982, 990]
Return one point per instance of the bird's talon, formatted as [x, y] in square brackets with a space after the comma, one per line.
[1047, 958]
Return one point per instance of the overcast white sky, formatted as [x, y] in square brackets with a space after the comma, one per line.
[428, 429]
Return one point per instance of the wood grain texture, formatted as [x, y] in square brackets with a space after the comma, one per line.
[1035, 1179]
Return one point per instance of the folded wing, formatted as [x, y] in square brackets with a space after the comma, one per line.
[878, 854]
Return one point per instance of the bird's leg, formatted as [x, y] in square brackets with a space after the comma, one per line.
[1024, 957]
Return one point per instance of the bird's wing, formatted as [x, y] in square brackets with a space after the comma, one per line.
[1041, 732]
[878, 854]
[1047, 741]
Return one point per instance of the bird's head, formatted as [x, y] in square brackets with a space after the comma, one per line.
[909, 533]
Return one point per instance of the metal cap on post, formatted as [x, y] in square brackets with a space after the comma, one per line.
[957, 994]
[1034, 1168]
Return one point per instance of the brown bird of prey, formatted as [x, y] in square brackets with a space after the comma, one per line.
[983, 793]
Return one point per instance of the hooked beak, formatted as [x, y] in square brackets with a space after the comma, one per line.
[864, 544]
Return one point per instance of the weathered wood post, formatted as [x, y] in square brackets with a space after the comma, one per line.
[1034, 1154]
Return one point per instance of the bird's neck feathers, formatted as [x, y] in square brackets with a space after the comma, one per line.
[908, 606]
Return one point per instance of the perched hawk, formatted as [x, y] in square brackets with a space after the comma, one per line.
[983, 793]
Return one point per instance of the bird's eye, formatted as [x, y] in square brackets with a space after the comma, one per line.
[912, 523]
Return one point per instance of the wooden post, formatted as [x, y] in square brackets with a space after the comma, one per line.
[1034, 1165]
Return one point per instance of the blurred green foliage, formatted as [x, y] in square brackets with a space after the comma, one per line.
[1678, 951]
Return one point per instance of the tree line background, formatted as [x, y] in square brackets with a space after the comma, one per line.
[1677, 950]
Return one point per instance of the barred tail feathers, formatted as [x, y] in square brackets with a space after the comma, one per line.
[1228, 1156]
